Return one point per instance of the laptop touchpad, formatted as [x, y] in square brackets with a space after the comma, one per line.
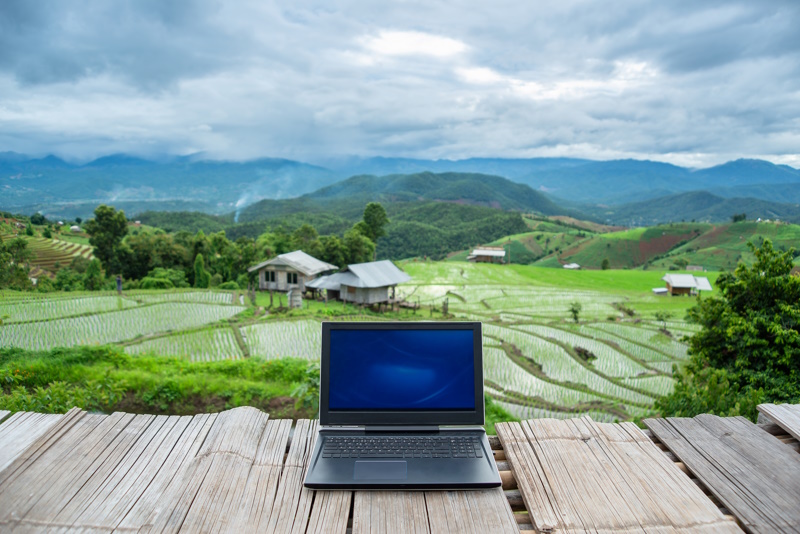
[380, 470]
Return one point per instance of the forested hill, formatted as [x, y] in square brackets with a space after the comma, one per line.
[695, 205]
[348, 197]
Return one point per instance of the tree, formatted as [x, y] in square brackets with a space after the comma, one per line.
[93, 276]
[372, 225]
[575, 310]
[47, 233]
[738, 217]
[106, 232]
[358, 247]
[29, 229]
[662, 317]
[748, 348]
[201, 277]
[14, 269]
[606, 265]
[38, 219]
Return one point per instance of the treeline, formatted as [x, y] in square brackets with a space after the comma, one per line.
[158, 260]
[436, 229]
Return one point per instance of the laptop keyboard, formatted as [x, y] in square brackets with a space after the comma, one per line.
[402, 447]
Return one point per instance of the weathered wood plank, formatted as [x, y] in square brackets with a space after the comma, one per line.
[262, 483]
[330, 511]
[216, 476]
[752, 474]
[166, 475]
[787, 416]
[50, 466]
[20, 431]
[293, 502]
[3, 415]
[581, 476]
[377, 512]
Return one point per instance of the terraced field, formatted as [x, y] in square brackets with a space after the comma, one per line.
[49, 254]
[538, 362]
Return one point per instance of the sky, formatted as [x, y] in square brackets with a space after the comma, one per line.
[694, 83]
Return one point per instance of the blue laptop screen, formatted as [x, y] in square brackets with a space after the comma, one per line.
[401, 370]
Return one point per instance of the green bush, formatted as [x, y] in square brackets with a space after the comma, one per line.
[228, 285]
[149, 282]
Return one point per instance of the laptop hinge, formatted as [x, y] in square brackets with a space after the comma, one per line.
[401, 428]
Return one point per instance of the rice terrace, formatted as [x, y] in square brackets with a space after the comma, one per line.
[611, 364]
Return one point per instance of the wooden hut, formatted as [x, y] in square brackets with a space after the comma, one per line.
[293, 270]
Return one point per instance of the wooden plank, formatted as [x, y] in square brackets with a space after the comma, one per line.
[787, 416]
[377, 512]
[581, 476]
[215, 478]
[469, 511]
[91, 459]
[534, 487]
[20, 431]
[3, 414]
[104, 501]
[50, 465]
[329, 511]
[293, 502]
[40, 446]
[262, 485]
[167, 485]
[751, 473]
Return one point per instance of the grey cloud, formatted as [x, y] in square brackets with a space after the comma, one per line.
[253, 78]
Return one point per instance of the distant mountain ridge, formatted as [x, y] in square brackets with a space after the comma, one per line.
[65, 189]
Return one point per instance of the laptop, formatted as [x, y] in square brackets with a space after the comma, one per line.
[401, 404]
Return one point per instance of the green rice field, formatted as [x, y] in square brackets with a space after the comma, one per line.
[611, 365]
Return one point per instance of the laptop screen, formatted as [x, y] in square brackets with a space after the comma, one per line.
[401, 373]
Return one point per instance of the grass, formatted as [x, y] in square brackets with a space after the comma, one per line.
[107, 379]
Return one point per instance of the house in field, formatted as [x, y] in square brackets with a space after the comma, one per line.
[572, 266]
[363, 283]
[686, 284]
[293, 270]
[487, 255]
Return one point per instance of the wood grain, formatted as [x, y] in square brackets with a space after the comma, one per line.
[581, 476]
[787, 416]
[755, 476]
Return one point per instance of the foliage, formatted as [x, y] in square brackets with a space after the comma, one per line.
[201, 277]
[106, 232]
[14, 258]
[575, 310]
[106, 379]
[738, 217]
[93, 279]
[374, 221]
[749, 341]
[307, 391]
[152, 282]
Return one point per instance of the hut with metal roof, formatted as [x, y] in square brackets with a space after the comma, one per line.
[363, 283]
[686, 284]
[487, 255]
[293, 270]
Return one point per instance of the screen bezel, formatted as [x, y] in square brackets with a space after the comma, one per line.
[398, 417]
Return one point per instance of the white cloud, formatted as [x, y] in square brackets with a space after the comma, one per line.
[413, 43]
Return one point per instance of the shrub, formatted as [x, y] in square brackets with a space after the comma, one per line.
[149, 282]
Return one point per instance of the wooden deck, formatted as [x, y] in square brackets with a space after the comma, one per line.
[239, 471]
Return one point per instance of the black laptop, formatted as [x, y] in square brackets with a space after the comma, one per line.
[401, 406]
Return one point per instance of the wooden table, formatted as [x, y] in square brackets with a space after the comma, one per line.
[240, 471]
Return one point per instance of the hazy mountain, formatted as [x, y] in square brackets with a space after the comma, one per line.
[65, 189]
[55, 187]
[693, 206]
[349, 197]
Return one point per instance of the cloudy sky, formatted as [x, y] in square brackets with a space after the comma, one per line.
[689, 82]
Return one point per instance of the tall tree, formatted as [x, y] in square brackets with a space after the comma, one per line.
[201, 277]
[14, 258]
[106, 232]
[748, 349]
[374, 221]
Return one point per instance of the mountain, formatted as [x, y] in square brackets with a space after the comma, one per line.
[348, 197]
[694, 206]
[60, 189]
